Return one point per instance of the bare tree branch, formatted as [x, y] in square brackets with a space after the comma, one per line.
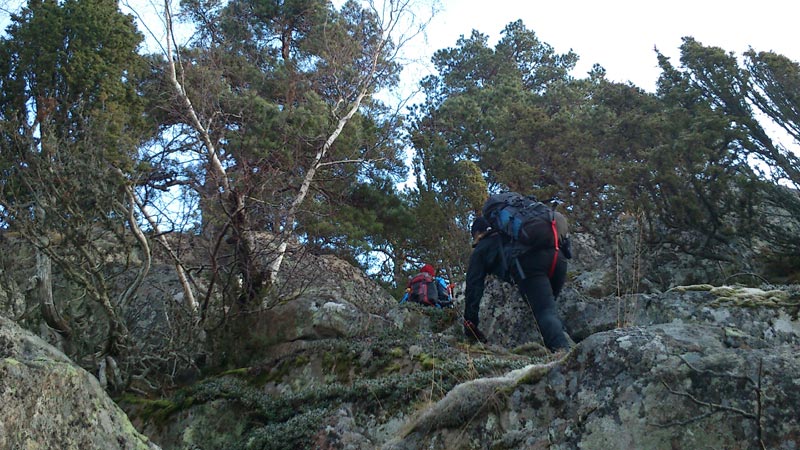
[714, 408]
[146, 254]
[183, 276]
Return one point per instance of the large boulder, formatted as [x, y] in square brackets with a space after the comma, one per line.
[770, 313]
[660, 387]
[313, 317]
[622, 262]
[51, 403]
[767, 313]
[696, 367]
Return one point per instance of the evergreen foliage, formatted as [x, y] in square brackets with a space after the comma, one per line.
[278, 81]
[72, 124]
[680, 158]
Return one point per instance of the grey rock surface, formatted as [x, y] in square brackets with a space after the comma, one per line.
[50, 403]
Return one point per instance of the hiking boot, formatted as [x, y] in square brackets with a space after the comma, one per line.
[472, 333]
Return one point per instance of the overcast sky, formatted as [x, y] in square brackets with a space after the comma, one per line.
[620, 34]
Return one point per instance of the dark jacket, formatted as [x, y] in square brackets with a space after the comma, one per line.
[488, 258]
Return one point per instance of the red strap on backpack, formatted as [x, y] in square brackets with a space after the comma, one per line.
[555, 253]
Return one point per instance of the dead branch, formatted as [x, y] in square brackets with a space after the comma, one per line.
[714, 408]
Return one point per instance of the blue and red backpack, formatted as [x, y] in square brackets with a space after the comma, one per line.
[528, 224]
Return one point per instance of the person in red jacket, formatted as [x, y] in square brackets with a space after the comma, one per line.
[425, 288]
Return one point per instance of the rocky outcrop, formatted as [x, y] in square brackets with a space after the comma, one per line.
[695, 367]
[310, 276]
[622, 262]
[661, 387]
[314, 316]
[769, 314]
[336, 363]
[50, 403]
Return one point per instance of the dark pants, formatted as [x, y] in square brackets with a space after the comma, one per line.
[540, 291]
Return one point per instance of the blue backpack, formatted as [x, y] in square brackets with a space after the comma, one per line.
[527, 223]
[523, 219]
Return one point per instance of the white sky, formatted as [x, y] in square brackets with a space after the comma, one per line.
[617, 34]
[620, 34]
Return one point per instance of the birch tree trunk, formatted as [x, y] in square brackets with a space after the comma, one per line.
[392, 15]
[251, 277]
[291, 216]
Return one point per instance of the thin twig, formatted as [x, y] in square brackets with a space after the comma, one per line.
[715, 406]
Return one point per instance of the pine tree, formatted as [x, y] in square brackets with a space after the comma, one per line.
[73, 123]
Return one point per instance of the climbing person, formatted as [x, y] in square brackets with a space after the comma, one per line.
[428, 289]
[539, 273]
